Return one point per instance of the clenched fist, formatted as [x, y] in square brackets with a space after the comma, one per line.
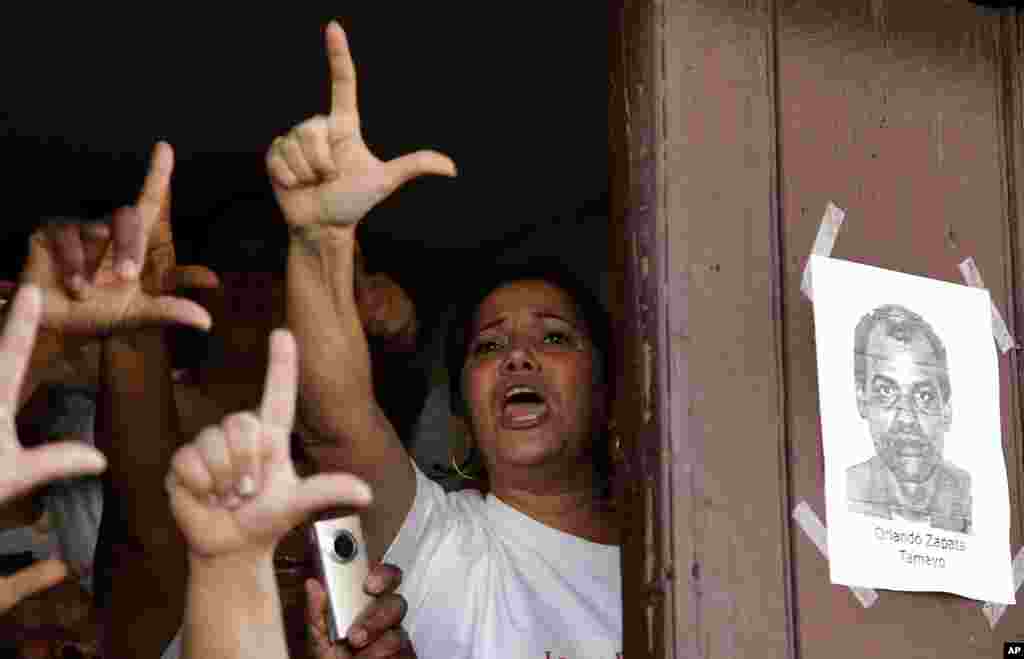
[323, 173]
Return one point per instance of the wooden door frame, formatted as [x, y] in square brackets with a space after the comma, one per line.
[646, 513]
[668, 604]
[670, 597]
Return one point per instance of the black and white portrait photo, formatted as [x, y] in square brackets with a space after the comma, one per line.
[904, 396]
[916, 491]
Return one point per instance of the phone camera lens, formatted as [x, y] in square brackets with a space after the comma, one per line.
[345, 547]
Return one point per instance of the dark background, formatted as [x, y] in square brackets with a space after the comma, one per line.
[516, 95]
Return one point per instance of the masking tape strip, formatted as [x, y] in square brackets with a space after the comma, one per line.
[174, 649]
[823, 243]
[1004, 339]
[815, 530]
[994, 611]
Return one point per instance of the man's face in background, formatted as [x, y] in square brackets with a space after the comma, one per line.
[902, 401]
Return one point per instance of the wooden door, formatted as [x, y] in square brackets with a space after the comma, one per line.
[733, 124]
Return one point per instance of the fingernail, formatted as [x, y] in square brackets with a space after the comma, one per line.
[128, 269]
[232, 501]
[95, 461]
[374, 583]
[365, 494]
[77, 282]
[357, 635]
[247, 486]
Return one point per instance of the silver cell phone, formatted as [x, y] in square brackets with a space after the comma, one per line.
[343, 567]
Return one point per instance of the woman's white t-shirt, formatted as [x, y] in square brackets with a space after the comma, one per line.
[484, 580]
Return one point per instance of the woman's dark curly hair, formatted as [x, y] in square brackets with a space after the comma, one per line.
[460, 334]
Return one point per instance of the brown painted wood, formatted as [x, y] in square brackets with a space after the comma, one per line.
[716, 258]
[740, 122]
[647, 623]
[893, 110]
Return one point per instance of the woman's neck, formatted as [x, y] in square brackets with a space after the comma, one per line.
[575, 510]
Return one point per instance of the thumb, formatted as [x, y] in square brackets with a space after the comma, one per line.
[195, 276]
[29, 581]
[166, 310]
[419, 163]
[41, 465]
[328, 491]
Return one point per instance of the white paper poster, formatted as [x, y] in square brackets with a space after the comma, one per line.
[916, 494]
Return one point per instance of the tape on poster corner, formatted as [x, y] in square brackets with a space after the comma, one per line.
[971, 275]
[994, 611]
[815, 530]
[823, 243]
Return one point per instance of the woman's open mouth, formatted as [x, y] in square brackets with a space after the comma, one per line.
[523, 406]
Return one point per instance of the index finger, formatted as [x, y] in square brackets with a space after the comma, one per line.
[343, 71]
[28, 581]
[19, 335]
[277, 410]
[155, 192]
[34, 467]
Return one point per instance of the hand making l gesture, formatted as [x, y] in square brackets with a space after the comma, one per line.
[21, 470]
[95, 286]
[322, 171]
[234, 490]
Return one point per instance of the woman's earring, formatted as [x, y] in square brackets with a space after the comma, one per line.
[458, 470]
[462, 436]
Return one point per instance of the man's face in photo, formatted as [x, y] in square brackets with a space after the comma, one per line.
[902, 401]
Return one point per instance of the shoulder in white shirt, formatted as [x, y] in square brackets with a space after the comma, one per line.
[485, 580]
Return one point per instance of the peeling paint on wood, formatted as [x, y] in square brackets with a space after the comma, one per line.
[951, 238]
[635, 243]
[927, 103]
[648, 374]
[892, 106]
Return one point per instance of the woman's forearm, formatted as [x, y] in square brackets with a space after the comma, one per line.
[335, 375]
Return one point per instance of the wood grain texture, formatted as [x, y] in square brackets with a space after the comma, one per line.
[717, 261]
[648, 626]
[894, 111]
[910, 115]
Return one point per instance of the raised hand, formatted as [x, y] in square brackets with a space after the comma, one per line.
[322, 171]
[92, 284]
[21, 470]
[234, 489]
